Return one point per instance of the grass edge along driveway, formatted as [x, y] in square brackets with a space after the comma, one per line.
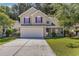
[60, 46]
[5, 40]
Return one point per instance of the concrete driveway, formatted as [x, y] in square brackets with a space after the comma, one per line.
[26, 47]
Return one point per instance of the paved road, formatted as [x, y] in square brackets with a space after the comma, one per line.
[26, 47]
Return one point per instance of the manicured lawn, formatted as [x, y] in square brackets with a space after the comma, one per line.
[61, 46]
[5, 40]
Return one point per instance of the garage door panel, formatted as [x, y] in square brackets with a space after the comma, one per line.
[32, 32]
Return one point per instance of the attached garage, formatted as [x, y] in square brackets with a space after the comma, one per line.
[32, 32]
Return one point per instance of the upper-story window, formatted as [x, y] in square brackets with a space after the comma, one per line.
[48, 22]
[53, 24]
[26, 20]
[38, 19]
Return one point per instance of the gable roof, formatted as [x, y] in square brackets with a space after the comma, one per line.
[54, 20]
[31, 10]
[38, 11]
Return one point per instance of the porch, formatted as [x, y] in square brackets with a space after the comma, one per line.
[53, 31]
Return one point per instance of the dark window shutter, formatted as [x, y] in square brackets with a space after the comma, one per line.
[41, 19]
[36, 20]
[24, 20]
[29, 20]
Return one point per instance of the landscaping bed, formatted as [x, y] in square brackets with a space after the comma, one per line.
[64, 46]
[5, 40]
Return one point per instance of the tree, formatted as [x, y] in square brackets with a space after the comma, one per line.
[64, 13]
[2, 10]
[17, 9]
[5, 22]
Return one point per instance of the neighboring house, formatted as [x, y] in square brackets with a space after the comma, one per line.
[76, 28]
[36, 24]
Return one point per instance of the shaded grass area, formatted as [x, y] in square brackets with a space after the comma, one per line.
[64, 46]
[5, 40]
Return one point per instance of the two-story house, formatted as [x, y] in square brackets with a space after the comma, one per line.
[36, 24]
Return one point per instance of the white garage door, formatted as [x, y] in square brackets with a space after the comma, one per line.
[32, 32]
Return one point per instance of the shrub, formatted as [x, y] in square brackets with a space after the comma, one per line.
[9, 32]
[53, 34]
[16, 34]
[73, 45]
[68, 33]
[75, 37]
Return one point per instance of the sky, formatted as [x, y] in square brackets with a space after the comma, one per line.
[7, 4]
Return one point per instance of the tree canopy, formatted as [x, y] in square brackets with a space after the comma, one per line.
[5, 20]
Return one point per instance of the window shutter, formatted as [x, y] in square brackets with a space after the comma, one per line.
[41, 19]
[29, 20]
[24, 20]
[36, 20]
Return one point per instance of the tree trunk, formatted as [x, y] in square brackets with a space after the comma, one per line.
[3, 31]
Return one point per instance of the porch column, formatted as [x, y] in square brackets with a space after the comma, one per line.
[51, 30]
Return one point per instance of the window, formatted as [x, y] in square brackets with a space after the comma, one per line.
[26, 20]
[38, 19]
[47, 29]
[53, 24]
[47, 22]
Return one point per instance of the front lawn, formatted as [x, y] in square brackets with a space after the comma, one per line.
[64, 46]
[5, 40]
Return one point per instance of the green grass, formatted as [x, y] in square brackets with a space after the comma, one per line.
[5, 40]
[60, 46]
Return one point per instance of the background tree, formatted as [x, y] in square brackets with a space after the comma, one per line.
[17, 9]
